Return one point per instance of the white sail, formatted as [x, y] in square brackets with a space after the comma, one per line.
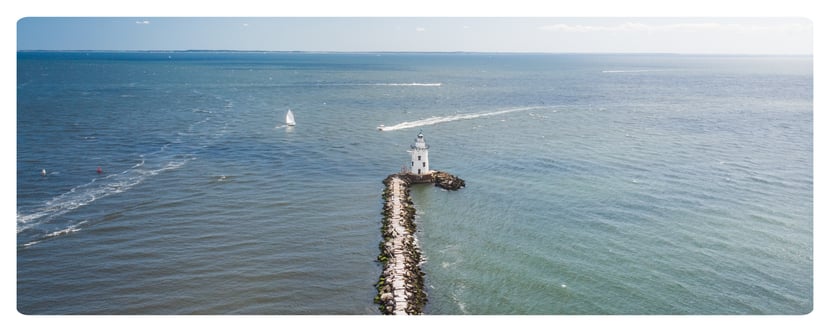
[289, 118]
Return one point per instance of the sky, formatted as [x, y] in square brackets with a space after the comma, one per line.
[421, 34]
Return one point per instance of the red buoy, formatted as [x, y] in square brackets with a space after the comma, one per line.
[99, 170]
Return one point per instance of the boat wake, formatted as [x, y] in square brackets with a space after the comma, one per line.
[441, 119]
[54, 218]
[404, 84]
[356, 84]
[633, 71]
[45, 222]
[64, 213]
[427, 84]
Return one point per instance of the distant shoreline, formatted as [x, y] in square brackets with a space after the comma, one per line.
[420, 52]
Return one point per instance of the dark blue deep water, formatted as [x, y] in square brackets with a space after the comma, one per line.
[596, 184]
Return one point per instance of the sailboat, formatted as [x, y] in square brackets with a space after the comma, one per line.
[289, 118]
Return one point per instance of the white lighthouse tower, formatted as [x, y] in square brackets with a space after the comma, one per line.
[420, 156]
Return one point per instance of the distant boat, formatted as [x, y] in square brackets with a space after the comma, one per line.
[289, 118]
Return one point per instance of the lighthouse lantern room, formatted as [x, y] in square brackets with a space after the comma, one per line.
[420, 156]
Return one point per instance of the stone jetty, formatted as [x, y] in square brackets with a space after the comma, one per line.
[401, 284]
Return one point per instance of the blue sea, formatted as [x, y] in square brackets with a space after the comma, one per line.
[596, 183]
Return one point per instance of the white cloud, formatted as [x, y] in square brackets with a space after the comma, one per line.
[684, 27]
[420, 29]
[142, 22]
[593, 28]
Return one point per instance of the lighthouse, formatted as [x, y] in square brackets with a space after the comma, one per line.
[420, 156]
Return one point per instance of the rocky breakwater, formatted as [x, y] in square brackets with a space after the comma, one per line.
[447, 181]
[401, 284]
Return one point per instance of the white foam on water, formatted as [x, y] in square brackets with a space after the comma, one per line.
[461, 305]
[441, 119]
[404, 84]
[87, 193]
[430, 84]
[65, 231]
[633, 71]
[45, 220]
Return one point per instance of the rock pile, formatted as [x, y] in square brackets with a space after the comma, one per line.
[401, 284]
[447, 181]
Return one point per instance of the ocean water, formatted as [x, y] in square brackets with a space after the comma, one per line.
[596, 184]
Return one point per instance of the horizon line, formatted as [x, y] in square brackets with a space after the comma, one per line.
[395, 52]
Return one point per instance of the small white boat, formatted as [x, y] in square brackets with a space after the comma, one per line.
[289, 118]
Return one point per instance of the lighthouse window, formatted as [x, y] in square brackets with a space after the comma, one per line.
[419, 157]
[425, 164]
[413, 163]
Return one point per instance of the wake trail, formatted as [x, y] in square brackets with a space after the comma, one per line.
[441, 119]
[48, 219]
